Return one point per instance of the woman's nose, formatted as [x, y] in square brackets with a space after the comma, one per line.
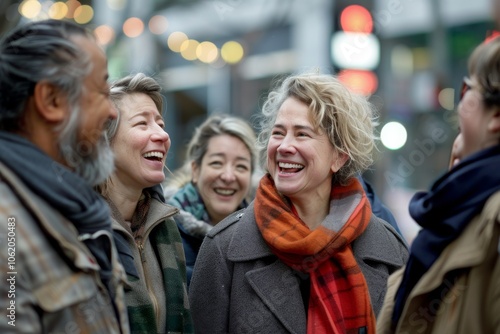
[228, 174]
[160, 134]
[286, 145]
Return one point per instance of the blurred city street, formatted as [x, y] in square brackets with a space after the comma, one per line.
[408, 56]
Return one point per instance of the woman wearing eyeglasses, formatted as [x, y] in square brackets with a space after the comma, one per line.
[451, 281]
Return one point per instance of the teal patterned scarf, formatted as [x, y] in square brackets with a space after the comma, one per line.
[189, 200]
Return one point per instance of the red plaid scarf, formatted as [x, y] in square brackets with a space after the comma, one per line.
[339, 298]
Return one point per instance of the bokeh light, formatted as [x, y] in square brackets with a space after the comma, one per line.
[72, 6]
[232, 52]
[393, 135]
[58, 10]
[133, 27]
[188, 49]
[83, 14]
[207, 52]
[30, 9]
[361, 82]
[446, 98]
[175, 40]
[104, 34]
[158, 24]
[356, 18]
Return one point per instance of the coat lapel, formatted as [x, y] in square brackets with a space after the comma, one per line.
[275, 284]
[278, 288]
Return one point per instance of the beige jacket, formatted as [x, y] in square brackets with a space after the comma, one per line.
[472, 304]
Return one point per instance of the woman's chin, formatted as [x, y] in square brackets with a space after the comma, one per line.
[153, 180]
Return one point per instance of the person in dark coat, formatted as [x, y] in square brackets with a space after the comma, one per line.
[307, 255]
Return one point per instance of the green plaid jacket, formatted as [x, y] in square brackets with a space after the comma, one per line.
[156, 294]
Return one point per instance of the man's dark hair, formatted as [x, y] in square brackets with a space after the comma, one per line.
[34, 52]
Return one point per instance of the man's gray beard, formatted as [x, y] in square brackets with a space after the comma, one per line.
[93, 163]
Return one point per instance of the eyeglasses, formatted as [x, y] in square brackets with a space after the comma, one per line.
[465, 87]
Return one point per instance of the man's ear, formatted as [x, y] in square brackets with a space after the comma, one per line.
[50, 102]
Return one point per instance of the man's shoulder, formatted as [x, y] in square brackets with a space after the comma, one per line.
[35, 219]
[12, 204]
[12, 189]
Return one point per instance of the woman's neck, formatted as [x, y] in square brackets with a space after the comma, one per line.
[124, 197]
[313, 206]
[312, 212]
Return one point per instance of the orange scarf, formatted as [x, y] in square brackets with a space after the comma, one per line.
[339, 299]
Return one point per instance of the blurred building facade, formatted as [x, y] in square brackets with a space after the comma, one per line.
[425, 47]
[277, 38]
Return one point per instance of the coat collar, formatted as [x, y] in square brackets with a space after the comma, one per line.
[247, 243]
[158, 211]
[377, 244]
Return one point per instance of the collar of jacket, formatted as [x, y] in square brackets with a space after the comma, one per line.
[374, 244]
[158, 212]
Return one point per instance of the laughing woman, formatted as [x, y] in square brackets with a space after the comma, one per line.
[215, 181]
[146, 236]
[307, 255]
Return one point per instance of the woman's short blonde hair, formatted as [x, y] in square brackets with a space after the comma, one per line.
[348, 119]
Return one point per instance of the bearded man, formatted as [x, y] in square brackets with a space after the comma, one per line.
[58, 256]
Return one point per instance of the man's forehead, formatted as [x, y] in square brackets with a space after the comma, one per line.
[99, 73]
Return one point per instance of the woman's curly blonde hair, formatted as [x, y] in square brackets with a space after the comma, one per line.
[348, 119]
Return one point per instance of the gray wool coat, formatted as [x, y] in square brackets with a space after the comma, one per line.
[240, 286]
